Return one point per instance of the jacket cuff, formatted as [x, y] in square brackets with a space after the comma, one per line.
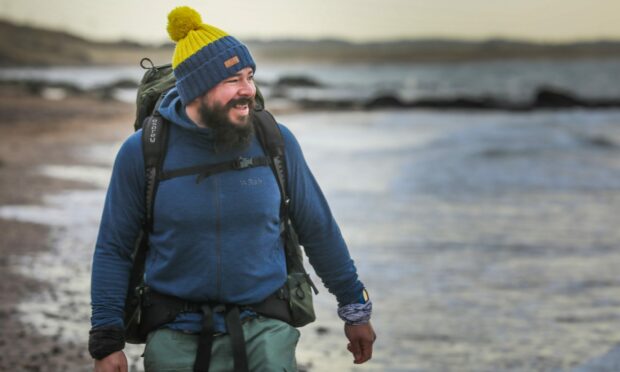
[104, 341]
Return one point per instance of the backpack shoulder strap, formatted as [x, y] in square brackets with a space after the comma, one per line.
[154, 144]
[154, 141]
[272, 141]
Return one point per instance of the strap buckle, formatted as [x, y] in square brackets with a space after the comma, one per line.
[242, 163]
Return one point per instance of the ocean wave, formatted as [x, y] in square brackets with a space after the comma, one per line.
[306, 93]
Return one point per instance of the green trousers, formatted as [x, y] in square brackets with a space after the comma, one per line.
[270, 346]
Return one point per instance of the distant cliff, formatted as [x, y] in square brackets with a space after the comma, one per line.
[431, 50]
[29, 46]
[25, 45]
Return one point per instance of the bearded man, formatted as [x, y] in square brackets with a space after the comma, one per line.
[215, 239]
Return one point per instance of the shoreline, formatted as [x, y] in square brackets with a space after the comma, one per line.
[38, 132]
[467, 318]
[544, 97]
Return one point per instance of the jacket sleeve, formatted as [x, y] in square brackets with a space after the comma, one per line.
[316, 228]
[121, 222]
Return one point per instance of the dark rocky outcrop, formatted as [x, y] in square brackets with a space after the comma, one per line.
[298, 81]
[544, 98]
[385, 101]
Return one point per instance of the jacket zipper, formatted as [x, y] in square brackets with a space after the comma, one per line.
[218, 244]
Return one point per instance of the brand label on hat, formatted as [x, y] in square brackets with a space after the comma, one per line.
[231, 62]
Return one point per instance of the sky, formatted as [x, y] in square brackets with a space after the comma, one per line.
[353, 20]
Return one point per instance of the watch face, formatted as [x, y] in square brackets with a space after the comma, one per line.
[365, 294]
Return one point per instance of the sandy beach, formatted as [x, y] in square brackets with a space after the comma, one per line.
[499, 270]
[36, 132]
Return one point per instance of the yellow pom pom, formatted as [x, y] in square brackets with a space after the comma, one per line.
[181, 21]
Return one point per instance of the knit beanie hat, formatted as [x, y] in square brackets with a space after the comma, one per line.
[204, 55]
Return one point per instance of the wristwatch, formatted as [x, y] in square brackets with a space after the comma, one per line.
[365, 297]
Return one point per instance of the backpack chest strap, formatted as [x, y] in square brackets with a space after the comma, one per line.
[206, 170]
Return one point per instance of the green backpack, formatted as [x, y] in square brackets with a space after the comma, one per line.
[156, 81]
[298, 289]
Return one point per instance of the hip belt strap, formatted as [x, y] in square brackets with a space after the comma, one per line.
[233, 324]
[235, 331]
[203, 355]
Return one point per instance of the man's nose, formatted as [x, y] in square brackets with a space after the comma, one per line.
[247, 88]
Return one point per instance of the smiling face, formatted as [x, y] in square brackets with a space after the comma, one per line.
[227, 109]
[235, 95]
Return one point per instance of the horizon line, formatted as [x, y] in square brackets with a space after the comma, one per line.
[334, 38]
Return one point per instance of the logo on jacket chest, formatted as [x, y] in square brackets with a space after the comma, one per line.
[253, 181]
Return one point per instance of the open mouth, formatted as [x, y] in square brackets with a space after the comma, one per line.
[243, 108]
[241, 105]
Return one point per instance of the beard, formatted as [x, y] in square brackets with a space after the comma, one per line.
[226, 134]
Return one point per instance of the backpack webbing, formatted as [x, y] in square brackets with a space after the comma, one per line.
[154, 143]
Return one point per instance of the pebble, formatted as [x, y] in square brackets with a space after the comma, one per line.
[322, 330]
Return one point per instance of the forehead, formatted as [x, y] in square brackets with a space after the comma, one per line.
[244, 72]
[222, 87]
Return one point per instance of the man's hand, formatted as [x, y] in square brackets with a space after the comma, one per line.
[115, 362]
[361, 337]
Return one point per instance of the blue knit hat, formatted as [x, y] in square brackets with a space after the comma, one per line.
[204, 55]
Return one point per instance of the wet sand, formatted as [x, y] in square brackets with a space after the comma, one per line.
[542, 299]
[37, 132]
[44, 307]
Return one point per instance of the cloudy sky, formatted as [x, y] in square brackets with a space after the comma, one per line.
[355, 20]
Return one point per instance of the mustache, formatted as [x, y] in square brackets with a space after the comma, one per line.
[241, 101]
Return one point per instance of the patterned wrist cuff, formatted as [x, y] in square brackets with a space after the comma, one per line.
[355, 314]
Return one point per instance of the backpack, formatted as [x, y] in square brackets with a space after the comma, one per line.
[297, 291]
[156, 81]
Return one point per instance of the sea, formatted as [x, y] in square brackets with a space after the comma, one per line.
[511, 80]
[488, 240]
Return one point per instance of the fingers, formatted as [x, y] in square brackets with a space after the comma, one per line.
[355, 349]
[361, 350]
[361, 338]
[115, 362]
[366, 352]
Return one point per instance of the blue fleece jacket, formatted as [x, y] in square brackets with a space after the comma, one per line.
[217, 240]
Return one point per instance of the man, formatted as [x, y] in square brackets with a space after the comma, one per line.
[215, 239]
